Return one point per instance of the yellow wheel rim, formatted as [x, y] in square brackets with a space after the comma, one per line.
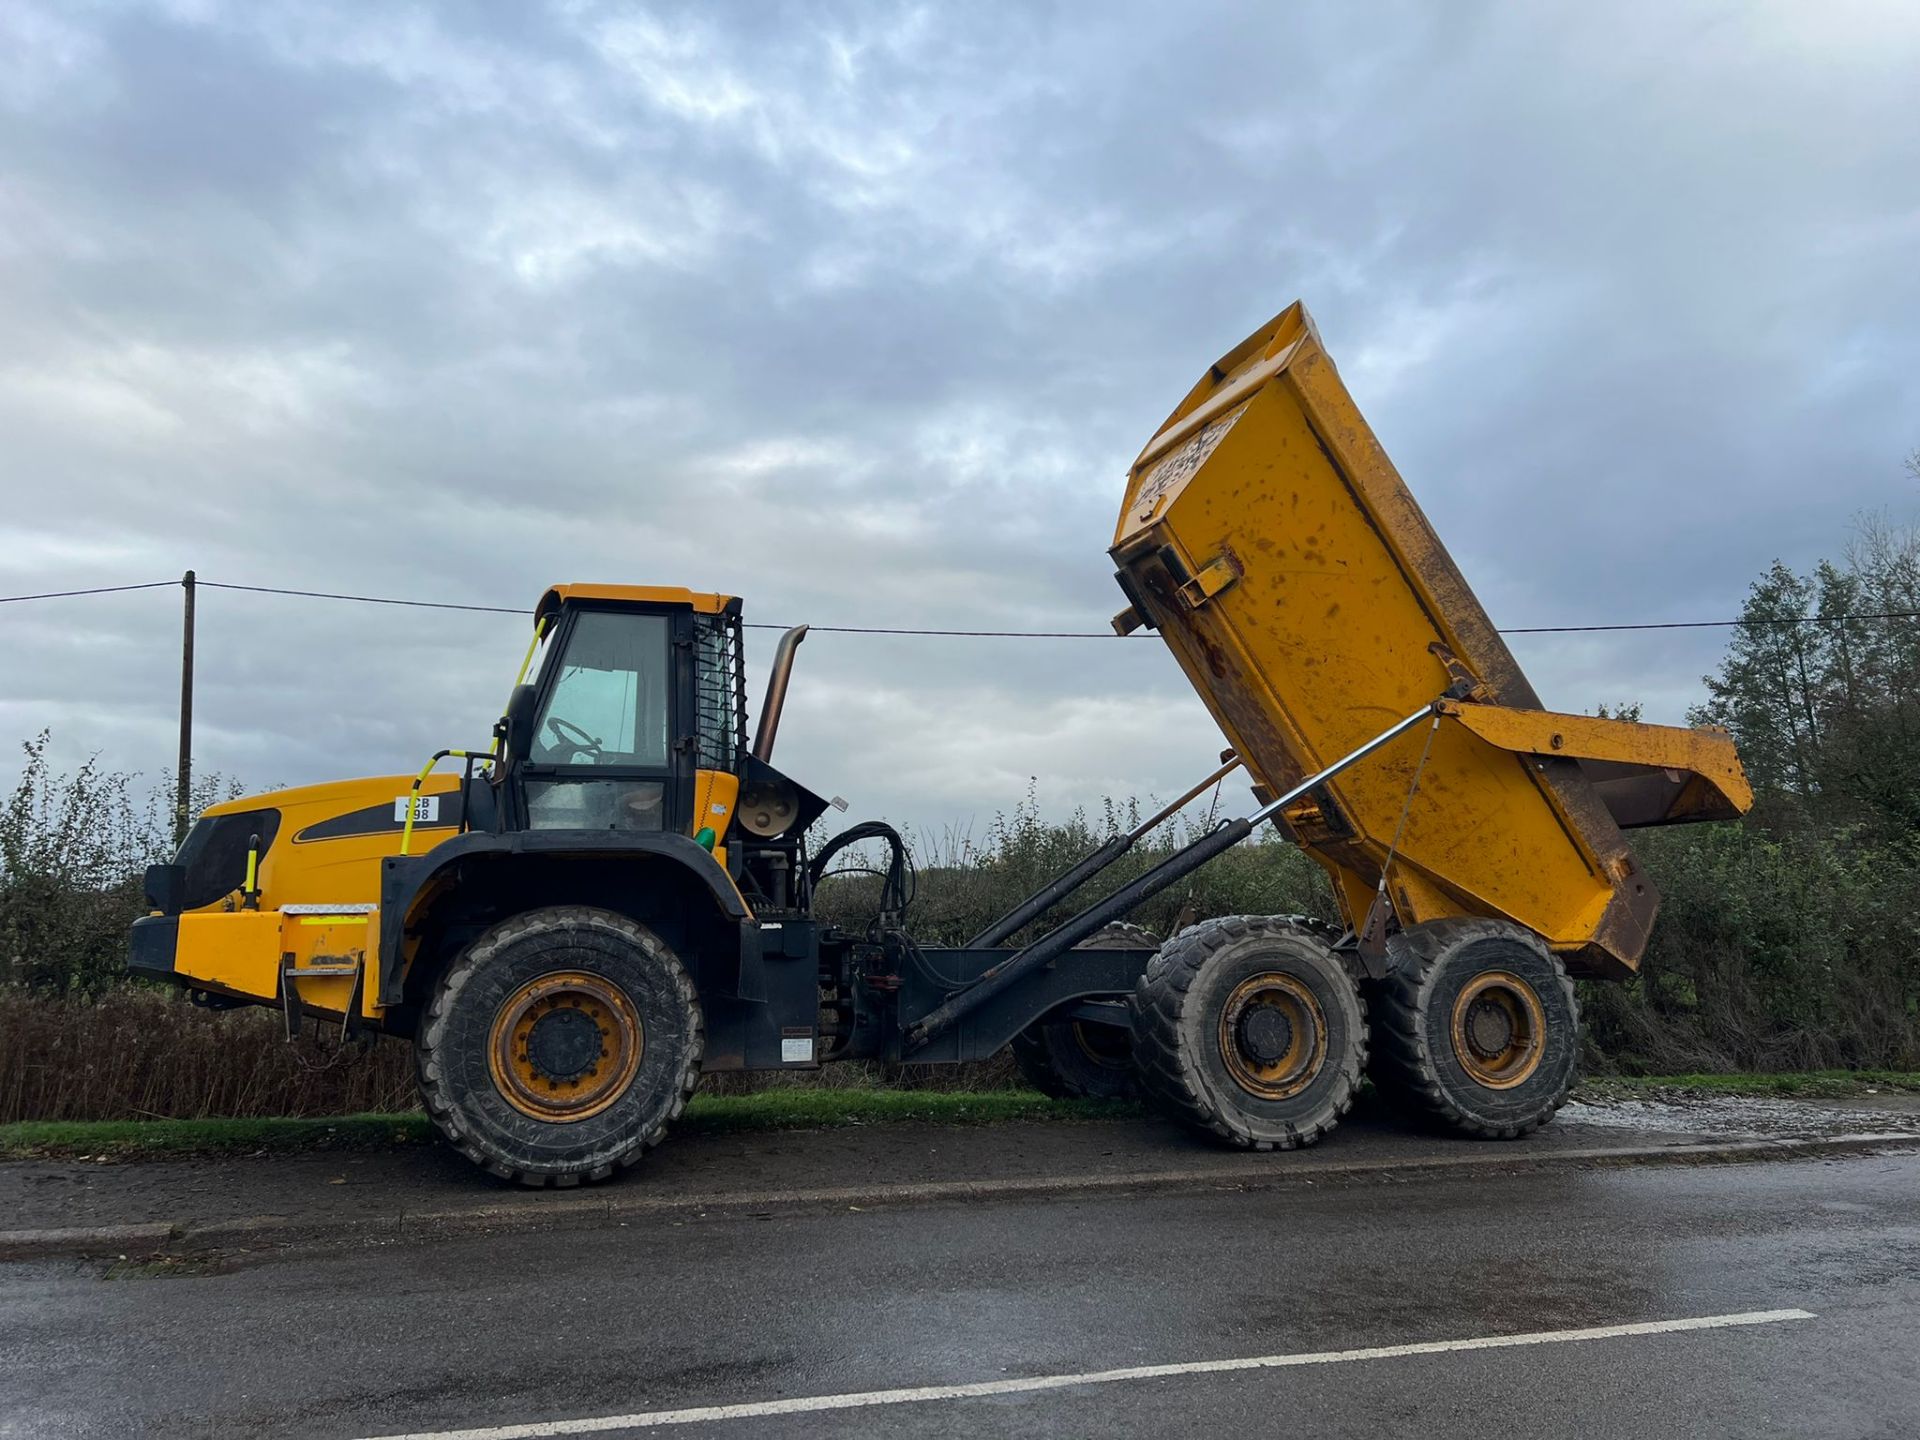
[1499, 1027]
[565, 1046]
[1273, 1036]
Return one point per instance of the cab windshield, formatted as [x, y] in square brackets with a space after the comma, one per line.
[609, 701]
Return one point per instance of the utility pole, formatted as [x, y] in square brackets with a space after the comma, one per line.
[184, 774]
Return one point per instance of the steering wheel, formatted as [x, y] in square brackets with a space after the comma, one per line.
[572, 736]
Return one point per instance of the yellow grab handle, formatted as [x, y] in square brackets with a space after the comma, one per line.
[413, 795]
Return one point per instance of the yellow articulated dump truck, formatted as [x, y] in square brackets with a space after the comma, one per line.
[614, 893]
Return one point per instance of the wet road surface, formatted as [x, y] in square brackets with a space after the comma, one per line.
[328, 1188]
[551, 1327]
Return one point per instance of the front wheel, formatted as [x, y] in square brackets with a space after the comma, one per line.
[560, 1045]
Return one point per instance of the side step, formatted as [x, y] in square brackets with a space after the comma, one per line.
[352, 1026]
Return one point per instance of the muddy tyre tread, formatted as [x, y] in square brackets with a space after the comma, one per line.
[1171, 1078]
[1404, 1063]
[431, 1040]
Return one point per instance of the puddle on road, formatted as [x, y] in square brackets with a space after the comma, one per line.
[1741, 1116]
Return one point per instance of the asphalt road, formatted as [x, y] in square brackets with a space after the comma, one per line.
[552, 1327]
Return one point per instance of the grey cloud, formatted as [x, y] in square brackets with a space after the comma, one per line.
[862, 312]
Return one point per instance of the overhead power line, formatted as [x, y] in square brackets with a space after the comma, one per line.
[96, 590]
[360, 599]
[978, 634]
[1710, 624]
[968, 634]
[751, 624]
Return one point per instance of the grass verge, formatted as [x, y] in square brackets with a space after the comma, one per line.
[707, 1115]
[790, 1109]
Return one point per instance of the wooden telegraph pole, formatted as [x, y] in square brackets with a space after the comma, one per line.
[182, 807]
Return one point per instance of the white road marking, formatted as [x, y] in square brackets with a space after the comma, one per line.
[812, 1404]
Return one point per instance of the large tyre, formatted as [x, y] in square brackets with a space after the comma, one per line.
[1251, 1029]
[1073, 1060]
[560, 1045]
[1476, 1029]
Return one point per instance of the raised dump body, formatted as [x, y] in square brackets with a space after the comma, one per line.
[1273, 544]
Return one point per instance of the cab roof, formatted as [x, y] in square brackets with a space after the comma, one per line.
[702, 602]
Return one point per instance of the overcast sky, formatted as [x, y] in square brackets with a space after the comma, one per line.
[861, 312]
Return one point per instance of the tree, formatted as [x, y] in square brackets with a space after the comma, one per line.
[1820, 684]
[1875, 737]
[1764, 690]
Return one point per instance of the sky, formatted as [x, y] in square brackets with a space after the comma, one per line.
[861, 312]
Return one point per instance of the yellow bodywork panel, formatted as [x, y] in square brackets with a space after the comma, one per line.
[715, 794]
[704, 602]
[319, 885]
[332, 837]
[235, 952]
[243, 952]
[1270, 540]
[1647, 774]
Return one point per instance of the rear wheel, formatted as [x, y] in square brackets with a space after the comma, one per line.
[559, 1046]
[1252, 1029]
[1078, 1059]
[1476, 1029]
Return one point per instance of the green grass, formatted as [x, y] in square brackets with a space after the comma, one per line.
[796, 1109]
[121, 1138]
[706, 1115]
[1810, 1084]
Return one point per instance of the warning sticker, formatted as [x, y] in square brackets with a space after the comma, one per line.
[796, 1052]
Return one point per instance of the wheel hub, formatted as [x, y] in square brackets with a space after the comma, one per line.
[1264, 1034]
[563, 1044]
[1499, 1029]
[1273, 1035]
[1489, 1029]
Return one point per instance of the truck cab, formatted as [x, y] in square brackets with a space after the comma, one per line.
[636, 719]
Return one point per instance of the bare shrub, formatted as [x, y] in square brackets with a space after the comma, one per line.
[135, 1053]
[73, 849]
